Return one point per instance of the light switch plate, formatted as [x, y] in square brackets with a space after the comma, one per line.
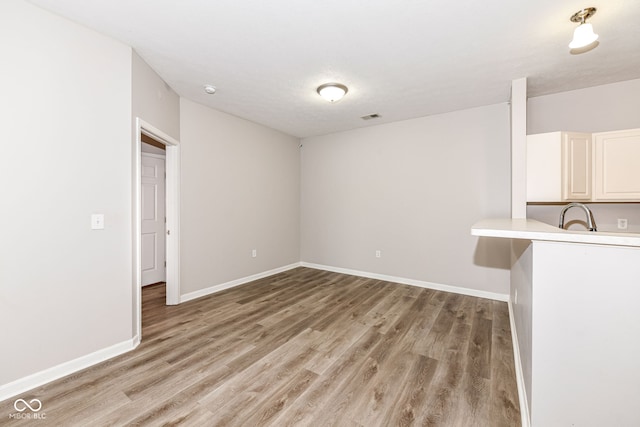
[97, 222]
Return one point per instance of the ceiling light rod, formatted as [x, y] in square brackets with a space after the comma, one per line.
[332, 92]
[583, 35]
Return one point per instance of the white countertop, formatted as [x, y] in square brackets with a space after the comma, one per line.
[531, 229]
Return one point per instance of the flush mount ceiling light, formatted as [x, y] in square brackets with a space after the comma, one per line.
[583, 35]
[332, 92]
[209, 89]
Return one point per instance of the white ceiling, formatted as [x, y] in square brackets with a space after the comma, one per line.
[400, 58]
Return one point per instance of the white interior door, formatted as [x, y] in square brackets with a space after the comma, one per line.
[153, 219]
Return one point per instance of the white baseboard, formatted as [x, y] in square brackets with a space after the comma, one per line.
[412, 282]
[32, 381]
[217, 288]
[522, 391]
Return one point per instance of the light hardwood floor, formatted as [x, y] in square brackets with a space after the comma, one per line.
[301, 348]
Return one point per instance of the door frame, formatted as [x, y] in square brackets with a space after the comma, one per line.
[172, 202]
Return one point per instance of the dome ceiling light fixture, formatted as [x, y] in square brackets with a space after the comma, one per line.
[583, 35]
[332, 92]
[209, 89]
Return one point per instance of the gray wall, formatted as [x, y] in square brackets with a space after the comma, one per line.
[153, 100]
[240, 190]
[603, 108]
[65, 290]
[412, 190]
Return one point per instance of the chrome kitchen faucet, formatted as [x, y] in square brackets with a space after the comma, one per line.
[591, 223]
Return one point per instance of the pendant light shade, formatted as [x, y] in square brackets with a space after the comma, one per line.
[332, 92]
[583, 35]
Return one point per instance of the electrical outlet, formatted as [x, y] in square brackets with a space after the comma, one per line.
[378, 254]
[254, 253]
[622, 223]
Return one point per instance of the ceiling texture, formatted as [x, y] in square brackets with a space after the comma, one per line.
[400, 59]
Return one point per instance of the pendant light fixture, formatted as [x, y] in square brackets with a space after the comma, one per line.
[583, 35]
[332, 92]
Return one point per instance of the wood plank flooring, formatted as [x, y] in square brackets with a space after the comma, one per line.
[301, 348]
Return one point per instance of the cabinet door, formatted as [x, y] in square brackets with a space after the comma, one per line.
[617, 165]
[544, 167]
[577, 166]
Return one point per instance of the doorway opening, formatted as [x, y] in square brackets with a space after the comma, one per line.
[153, 222]
[147, 234]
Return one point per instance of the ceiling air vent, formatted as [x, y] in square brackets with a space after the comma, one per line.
[370, 116]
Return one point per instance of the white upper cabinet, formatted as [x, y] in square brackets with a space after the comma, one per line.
[544, 171]
[559, 167]
[570, 166]
[617, 165]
